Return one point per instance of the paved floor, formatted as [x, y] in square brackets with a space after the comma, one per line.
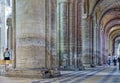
[95, 75]
[103, 74]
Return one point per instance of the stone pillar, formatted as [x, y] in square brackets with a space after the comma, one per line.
[30, 34]
[9, 33]
[1, 55]
[70, 36]
[103, 48]
[30, 39]
[101, 45]
[116, 47]
[98, 47]
[78, 44]
[95, 44]
[63, 55]
[91, 42]
[64, 42]
[14, 31]
[3, 30]
[51, 23]
[10, 39]
[69, 33]
[85, 43]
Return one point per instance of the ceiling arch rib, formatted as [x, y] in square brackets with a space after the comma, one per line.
[110, 21]
[113, 27]
[104, 4]
[106, 7]
[95, 6]
[114, 33]
[117, 39]
[108, 12]
[107, 15]
[113, 30]
[116, 42]
[112, 24]
[113, 39]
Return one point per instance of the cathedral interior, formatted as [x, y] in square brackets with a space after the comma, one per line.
[45, 37]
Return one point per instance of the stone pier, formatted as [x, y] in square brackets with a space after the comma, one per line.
[85, 41]
[31, 50]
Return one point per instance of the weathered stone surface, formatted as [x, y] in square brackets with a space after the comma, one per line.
[29, 73]
[30, 34]
[33, 59]
[33, 73]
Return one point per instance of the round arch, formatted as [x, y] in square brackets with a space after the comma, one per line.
[116, 41]
[108, 11]
[110, 27]
[111, 22]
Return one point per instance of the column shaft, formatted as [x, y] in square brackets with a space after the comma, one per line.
[30, 34]
[85, 43]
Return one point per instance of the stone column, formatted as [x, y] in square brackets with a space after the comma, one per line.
[51, 24]
[103, 48]
[3, 35]
[98, 46]
[91, 42]
[30, 38]
[85, 43]
[9, 33]
[10, 39]
[64, 34]
[30, 34]
[101, 45]
[79, 34]
[95, 44]
[70, 36]
[1, 55]
[14, 31]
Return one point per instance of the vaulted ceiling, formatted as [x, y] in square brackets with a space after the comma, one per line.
[108, 16]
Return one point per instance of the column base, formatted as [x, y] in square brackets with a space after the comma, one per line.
[86, 66]
[92, 65]
[99, 64]
[82, 68]
[32, 73]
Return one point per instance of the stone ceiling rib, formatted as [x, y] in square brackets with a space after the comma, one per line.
[111, 24]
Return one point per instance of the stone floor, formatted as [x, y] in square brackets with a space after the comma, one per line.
[102, 74]
[14, 80]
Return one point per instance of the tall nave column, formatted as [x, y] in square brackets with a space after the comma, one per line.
[30, 33]
[85, 42]
[30, 37]
[64, 39]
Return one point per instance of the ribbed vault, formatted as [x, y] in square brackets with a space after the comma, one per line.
[108, 19]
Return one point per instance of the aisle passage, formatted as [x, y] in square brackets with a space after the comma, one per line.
[95, 75]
